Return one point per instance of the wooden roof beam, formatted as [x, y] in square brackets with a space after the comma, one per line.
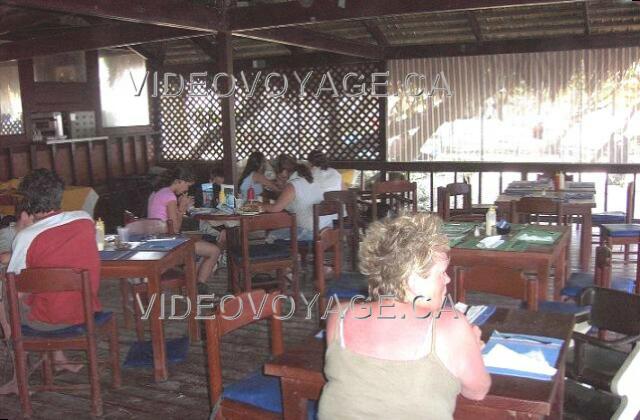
[155, 57]
[291, 13]
[475, 26]
[304, 38]
[90, 38]
[185, 15]
[514, 46]
[376, 33]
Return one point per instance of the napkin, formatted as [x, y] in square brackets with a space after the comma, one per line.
[535, 238]
[491, 242]
[530, 362]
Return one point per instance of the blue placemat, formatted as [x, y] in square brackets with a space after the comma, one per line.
[116, 255]
[530, 347]
[161, 245]
[140, 353]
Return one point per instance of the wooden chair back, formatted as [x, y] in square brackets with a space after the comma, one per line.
[349, 200]
[399, 194]
[460, 189]
[327, 208]
[150, 227]
[266, 221]
[237, 314]
[503, 281]
[48, 280]
[613, 310]
[537, 210]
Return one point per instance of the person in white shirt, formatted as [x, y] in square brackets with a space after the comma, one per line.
[327, 178]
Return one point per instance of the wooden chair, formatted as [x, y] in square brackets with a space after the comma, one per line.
[596, 358]
[503, 281]
[257, 396]
[170, 280]
[351, 223]
[323, 209]
[467, 212]
[77, 337]
[343, 285]
[509, 282]
[398, 194]
[616, 227]
[601, 277]
[245, 259]
[537, 210]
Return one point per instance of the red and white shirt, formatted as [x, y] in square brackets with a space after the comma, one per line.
[62, 240]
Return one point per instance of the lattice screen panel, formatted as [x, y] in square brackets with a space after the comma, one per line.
[346, 128]
[9, 126]
[190, 125]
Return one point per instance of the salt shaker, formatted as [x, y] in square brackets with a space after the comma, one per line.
[476, 232]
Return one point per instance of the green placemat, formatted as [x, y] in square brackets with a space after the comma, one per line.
[512, 243]
[457, 229]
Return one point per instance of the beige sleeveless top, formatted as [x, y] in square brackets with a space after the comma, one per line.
[365, 387]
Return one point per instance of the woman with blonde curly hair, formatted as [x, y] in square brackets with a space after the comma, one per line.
[399, 355]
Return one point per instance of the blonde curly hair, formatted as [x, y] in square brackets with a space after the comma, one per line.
[393, 248]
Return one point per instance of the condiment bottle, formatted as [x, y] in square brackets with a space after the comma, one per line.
[222, 198]
[490, 220]
[251, 194]
[100, 234]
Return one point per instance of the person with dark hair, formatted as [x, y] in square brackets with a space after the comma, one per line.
[285, 165]
[298, 196]
[328, 178]
[253, 176]
[171, 202]
[47, 237]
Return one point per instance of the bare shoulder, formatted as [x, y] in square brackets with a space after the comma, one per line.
[453, 327]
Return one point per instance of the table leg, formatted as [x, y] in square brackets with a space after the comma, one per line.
[160, 371]
[192, 291]
[585, 241]
[543, 281]
[560, 274]
[294, 404]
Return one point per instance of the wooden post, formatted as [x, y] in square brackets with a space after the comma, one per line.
[225, 65]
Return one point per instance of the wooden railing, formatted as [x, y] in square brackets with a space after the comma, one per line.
[457, 170]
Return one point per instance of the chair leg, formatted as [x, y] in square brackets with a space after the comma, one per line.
[47, 368]
[114, 354]
[626, 253]
[124, 293]
[233, 276]
[22, 379]
[354, 251]
[94, 377]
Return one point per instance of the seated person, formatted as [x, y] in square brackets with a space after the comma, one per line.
[170, 202]
[299, 195]
[328, 178]
[48, 237]
[283, 165]
[413, 365]
[253, 177]
[214, 232]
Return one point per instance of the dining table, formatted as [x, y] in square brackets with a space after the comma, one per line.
[531, 248]
[148, 261]
[576, 199]
[300, 370]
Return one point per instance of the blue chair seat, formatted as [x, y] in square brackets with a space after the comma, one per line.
[608, 217]
[347, 286]
[623, 230]
[100, 318]
[563, 308]
[579, 281]
[262, 391]
[261, 252]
